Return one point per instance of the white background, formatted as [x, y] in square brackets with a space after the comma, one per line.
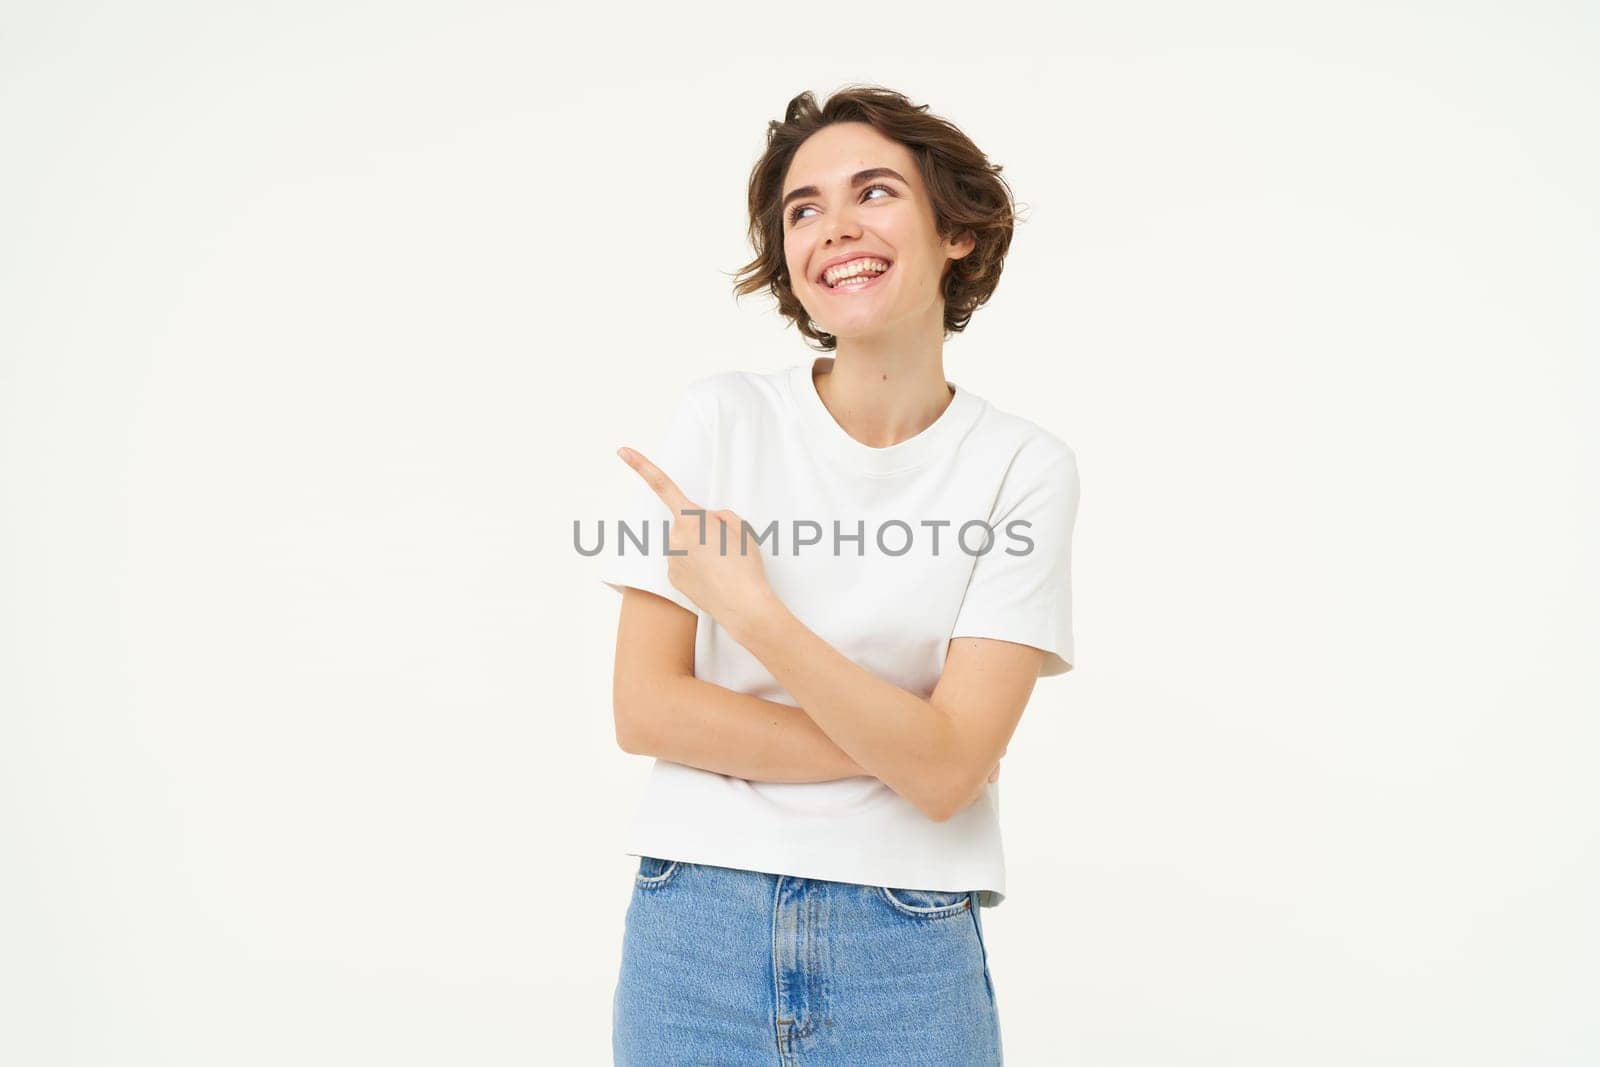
[320, 322]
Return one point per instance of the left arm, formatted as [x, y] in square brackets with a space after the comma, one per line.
[937, 753]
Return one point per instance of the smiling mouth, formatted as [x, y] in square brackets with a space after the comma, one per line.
[864, 280]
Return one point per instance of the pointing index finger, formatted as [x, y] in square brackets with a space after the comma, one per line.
[657, 480]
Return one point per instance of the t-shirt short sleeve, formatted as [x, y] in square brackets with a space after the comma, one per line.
[1021, 593]
[685, 454]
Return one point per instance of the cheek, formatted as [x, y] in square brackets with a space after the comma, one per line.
[793, 262]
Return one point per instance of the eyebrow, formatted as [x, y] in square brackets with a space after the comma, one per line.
[860, 177]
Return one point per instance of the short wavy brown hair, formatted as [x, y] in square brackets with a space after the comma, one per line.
[967, 191]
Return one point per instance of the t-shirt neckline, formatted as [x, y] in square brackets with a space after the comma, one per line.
[937, 439]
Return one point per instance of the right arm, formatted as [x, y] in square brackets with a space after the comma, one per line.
[662, 709]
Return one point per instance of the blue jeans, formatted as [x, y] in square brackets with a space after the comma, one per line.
[724, 966]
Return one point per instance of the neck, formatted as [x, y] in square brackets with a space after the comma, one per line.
[882, 395]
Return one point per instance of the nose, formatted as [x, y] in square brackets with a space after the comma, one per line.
[840, 224]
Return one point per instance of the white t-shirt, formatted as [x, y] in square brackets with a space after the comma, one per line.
[914, 567]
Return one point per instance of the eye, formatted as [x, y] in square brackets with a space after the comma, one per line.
[794, 212]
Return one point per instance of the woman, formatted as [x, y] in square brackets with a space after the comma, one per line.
[829, 675]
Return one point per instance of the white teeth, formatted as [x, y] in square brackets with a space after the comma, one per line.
[855, 267]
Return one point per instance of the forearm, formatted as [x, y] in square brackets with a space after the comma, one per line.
[909, 743]
[702, 724]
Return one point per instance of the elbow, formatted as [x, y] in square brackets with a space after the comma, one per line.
[627, 742]
[954, 798]
[625, 739]
[625, 717]
[631, 741]
[641, 709]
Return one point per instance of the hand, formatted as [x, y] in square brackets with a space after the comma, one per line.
[994, 775]
[731, 585]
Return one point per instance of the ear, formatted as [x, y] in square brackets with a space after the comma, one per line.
[962, 246]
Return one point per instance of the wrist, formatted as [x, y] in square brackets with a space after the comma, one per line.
[759, 615]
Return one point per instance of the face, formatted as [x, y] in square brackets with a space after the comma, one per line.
[853, 193]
